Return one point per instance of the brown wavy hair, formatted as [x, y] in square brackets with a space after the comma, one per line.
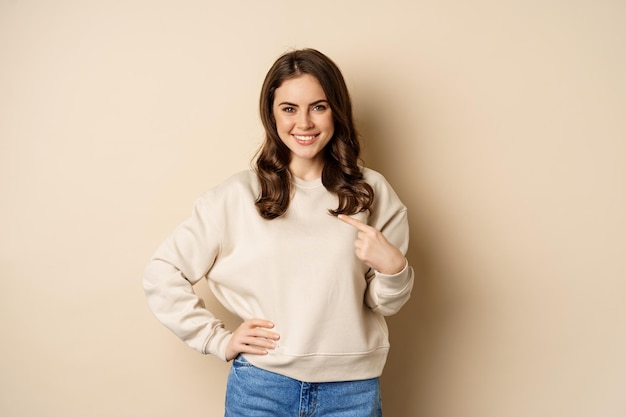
[341, 174]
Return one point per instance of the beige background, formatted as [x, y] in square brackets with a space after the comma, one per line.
[499, 123]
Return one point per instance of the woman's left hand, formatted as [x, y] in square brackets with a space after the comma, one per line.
[374, 249]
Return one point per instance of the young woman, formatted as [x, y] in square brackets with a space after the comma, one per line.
[308, 249]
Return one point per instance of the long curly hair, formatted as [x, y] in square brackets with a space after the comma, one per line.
[341, 174]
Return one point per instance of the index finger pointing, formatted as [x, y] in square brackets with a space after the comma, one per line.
[359, 225]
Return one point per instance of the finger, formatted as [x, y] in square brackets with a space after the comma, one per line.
[365, 236]
[257, 328]
[250, 344]
[247, 348]
[357, 224]
[259, 343]
[257, 332]
[262, 323]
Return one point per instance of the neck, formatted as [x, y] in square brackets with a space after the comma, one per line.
[306, 172]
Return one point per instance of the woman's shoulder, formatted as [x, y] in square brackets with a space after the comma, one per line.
[374, 178]
[244, 178]
[239, 184]
[383, 191]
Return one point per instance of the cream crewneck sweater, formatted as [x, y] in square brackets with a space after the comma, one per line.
[298, 271]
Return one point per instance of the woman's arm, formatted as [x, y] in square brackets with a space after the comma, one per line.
[390, 279]
[180, 261]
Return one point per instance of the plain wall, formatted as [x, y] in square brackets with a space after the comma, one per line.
[501, 124]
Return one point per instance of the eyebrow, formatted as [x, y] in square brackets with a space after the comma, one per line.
[286, 103]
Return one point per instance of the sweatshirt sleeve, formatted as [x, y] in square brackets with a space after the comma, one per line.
[386, 294]
[180, 261]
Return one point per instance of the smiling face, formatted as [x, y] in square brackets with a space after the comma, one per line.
[304, 122]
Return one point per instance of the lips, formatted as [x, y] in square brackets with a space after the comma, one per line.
[304, 139]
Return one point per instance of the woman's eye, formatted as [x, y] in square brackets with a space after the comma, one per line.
[319, 107]
[288, 109]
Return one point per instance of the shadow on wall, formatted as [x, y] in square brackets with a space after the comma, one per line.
[405, 380]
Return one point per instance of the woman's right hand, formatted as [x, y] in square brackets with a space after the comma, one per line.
[252, 337]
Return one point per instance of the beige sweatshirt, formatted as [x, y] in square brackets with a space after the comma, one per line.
[299, 271]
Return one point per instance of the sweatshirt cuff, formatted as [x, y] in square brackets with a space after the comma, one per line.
[217, 343]
[396, 283]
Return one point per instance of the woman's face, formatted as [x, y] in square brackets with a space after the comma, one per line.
[304, 122]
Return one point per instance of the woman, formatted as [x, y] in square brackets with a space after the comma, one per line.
[308, 249]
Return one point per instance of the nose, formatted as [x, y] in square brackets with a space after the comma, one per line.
[305, 121]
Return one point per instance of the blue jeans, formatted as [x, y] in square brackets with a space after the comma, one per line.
[254, 392]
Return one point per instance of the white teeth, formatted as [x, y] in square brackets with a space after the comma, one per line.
[305, 138]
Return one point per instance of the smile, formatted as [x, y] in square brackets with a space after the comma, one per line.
[304, 138]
